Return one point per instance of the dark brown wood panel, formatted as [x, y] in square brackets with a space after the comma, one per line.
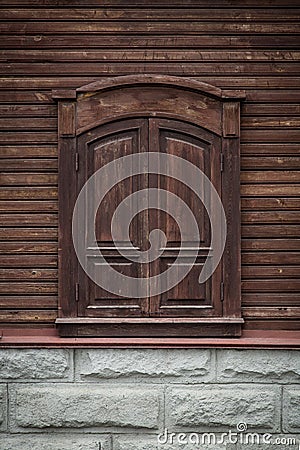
[269, 231]
[39, 260]
[182, 14]
[261, 88]
[28, 301]
[127, 55]
[25, 206]
[25, 193]
[31, 151]
[30, 234]
[271, 163]
[188, 68]
[155, 3]
[145, 41]
[251, 45]
[151, 27]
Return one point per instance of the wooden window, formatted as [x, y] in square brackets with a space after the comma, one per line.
[139, 115]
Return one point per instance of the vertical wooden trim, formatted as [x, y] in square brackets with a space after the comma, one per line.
[232, 253]
[66, 111]
[231, 119]
[232, 204]
[67, 193]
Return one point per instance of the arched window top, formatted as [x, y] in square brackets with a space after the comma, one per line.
[151, 96]
[161, 80]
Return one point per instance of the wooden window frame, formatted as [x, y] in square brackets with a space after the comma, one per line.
[74, 107]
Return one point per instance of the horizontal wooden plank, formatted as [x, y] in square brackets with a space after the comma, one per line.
[145, 14]
[125, 55]
[263, 109]
[21, 165]
[40, 193]
[272, 95]
[278, 325]
[151, 27]
[271, 217]
[263, 150]
[26, 206]
[186, 68]
[26, 137]
[48, 82]
[270, 176]
[281, 285]
[28, 261]
[277, 272]
[270, 162]
[37, 97]
[28, 288]
[270, 135]
[28, 110]
[31, 219]
[23, 151]
[28, 274]
[36, 316]
[27, 247]
[271, 258]
[261, 203]
[259, 88]
[28, 234]
[28, 123]
[140, 41]
[28, 179]
[269, 231]
[270, 122]
[28, 301]
[267, 190]
[270, 299]
[154, 3]
[272, 312]
[271, 244]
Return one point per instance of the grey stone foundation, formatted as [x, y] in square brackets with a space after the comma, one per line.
[110, 399]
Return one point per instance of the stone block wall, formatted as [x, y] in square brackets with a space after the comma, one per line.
[134, 399]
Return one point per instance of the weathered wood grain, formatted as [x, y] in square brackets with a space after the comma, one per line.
[28, 234]
[145, 41]
[249, 45]
[32, 151]
[146, 14]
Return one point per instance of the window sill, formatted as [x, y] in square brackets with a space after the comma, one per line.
[48, 337]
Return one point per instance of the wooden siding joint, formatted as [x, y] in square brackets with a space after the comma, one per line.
[76, 162]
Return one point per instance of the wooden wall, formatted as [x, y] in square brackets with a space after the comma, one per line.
[246, 44]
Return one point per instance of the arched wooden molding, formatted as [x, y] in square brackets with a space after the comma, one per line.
[185, 99]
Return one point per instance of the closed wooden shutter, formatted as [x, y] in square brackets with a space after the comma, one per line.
[147, 115]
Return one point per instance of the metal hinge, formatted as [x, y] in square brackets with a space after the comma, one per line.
[222, 161]
[77, 292]
[76, 162]
[222, 291]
